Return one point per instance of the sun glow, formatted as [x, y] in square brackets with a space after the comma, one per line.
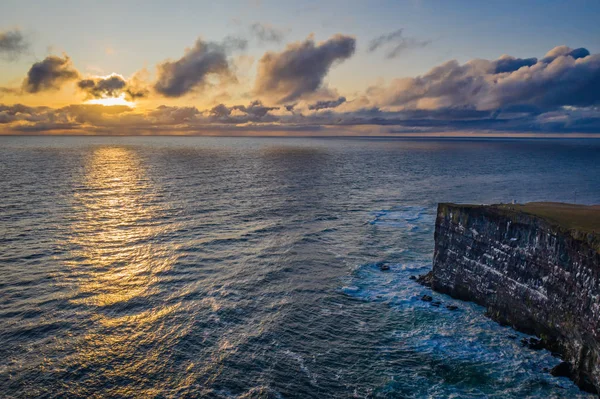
[108, 101]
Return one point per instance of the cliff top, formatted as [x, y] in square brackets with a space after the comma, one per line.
[583, 218]
[579, 220]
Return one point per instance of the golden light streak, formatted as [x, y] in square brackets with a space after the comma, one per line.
[110, 101]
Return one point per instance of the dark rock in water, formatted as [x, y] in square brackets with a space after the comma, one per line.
[413, 277]
[436, 304]
[384, 267]
[535, 267]
[563, 369]
[511, 336]
[533, 343]
[425, 279]
[426, 298]
[451, 307]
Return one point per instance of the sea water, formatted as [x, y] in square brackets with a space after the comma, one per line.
[167, 267]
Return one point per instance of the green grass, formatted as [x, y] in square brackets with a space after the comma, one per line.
[582, 218]
[582, 222]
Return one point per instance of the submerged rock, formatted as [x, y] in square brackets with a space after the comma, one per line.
[425, 279]
[426, 298]
[535, 267]
[533, 343]
[563, 369]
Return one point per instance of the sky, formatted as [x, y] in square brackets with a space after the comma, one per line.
[257, 67]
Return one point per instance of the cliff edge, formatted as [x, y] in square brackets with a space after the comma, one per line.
[535, 267]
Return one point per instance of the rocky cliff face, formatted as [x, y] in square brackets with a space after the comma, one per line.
[530, 273]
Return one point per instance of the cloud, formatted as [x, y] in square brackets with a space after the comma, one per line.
[137, 85]
[191, 72]
[49, 74]
[561, 51]
[256, 118]
[565, 77]
[22, 118]
[12, 113]
[220, 111]
[12, 44]
[327, 104]
[133, 92]
[253, 112]
[506, 63]
[233, 43]
[301, 67]
[113, 86]
[267, 33]
[396, 43]
[256, 109]
[172, 116]
[8, 90]
[559, 93]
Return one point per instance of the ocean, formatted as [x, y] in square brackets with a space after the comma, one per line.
[184, 267]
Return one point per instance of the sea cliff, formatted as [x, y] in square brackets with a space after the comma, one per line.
[535, 267]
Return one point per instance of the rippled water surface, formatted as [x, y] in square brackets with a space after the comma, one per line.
[238, 267]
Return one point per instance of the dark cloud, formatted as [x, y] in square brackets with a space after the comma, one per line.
[579, 53]
[559, 93]
[449, 84]
[510, 64]
[396, 43]
[568, 79]
[137, 86]
[327, 104]
[220, 111]
[266, 33]
[563, 82]
[190, 72]
[136, 92]
[256, 108]
[233, 43]
[253, 112]
[12, 113]
[301, 67]
[112, 86]
[173, 116]
[561, 51]
[41, 128]
[49, 74]
[12, 44]
[255, 117]
[24, 118]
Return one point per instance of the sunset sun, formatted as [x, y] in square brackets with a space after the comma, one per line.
[110, 101]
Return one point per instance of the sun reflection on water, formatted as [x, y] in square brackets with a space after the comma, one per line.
[113, 236]
[117, 264]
